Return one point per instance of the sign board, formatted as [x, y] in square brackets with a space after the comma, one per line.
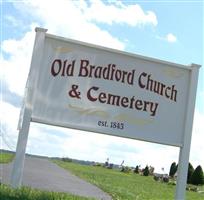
[82, 86]
[101, 90]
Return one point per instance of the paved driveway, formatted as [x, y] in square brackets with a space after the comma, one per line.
[43, 174]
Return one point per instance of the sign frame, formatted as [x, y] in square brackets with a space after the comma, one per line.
[26, 114]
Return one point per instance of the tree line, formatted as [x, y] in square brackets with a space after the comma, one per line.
[194, 176]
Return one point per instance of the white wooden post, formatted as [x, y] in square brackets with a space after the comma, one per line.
[17, 172]
[185, 149]
[18, 165]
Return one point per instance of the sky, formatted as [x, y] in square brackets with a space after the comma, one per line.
[167, 30]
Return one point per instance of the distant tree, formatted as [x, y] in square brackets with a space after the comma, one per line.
[146, 171]
[190, 172]
[107, 162]
[165, 179]
[66, 159]
[125, 169]
[197, 177]
[173, 169]
[151, 170]
[136, 170]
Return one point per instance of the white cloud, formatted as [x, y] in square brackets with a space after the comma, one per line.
[15, 68]
[67, 19]
[8, 125]
[171, 38]
[13, 21]
[132, 15]
[75, 19]
[197, 147]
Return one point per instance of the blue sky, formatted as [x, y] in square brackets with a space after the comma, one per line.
[171, 31]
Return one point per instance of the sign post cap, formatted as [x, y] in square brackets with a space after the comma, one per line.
[195, 65]
[38, 29]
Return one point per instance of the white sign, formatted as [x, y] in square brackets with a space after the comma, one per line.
[101, 90]
[82, 86]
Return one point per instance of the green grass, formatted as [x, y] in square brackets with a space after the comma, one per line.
[25, 193]
[123, 186]
[6, 157]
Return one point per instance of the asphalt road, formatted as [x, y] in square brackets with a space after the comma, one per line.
[43, 174]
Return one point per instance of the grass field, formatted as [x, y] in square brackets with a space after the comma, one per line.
[25, 193]
[6, 157]
[123, 186]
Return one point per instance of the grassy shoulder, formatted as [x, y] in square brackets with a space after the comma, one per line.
[26, 193]
[6, 157]
[122, 186]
